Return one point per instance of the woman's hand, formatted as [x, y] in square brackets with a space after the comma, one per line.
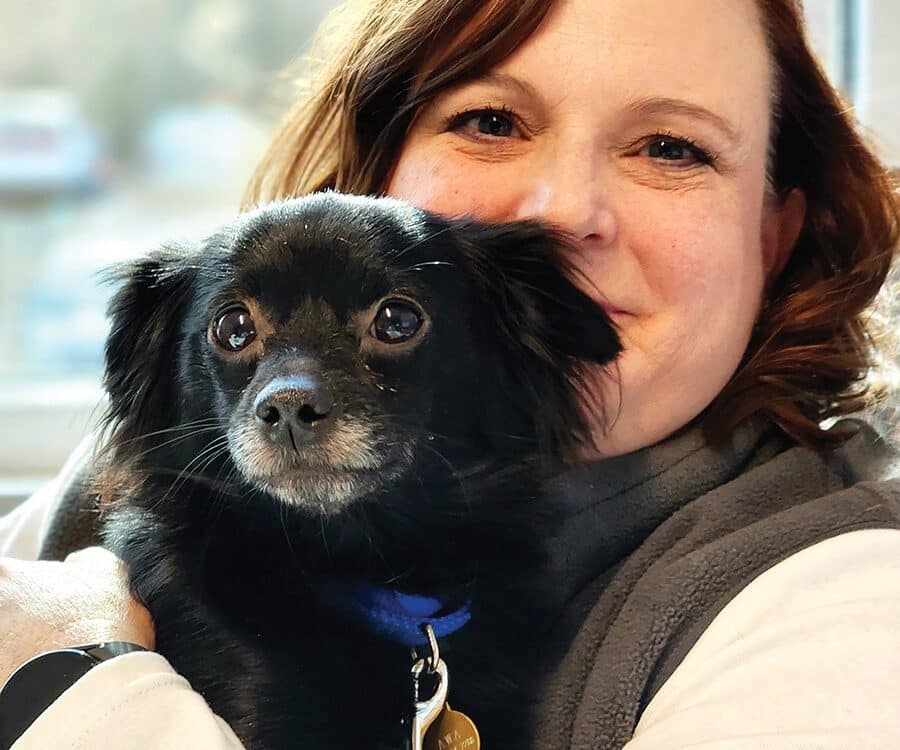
[49, 605]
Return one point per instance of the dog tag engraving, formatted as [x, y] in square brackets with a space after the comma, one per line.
[452, 730]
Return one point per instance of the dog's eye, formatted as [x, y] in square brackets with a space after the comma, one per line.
[396, 321]
[234, 328]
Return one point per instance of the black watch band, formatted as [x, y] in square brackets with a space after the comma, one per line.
[41, 680]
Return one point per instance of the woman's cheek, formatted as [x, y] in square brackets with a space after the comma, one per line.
[453, 184]
[417, 180]
[706, 293]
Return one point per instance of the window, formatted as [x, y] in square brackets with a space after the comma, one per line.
[857, 42]
[121, 126]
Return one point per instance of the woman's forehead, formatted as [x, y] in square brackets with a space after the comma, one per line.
[636, 55]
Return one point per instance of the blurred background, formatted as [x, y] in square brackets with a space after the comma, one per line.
[126, 124]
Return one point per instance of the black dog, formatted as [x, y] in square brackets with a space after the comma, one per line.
[335, 392]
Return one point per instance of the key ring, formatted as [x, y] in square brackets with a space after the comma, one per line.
[435, 657]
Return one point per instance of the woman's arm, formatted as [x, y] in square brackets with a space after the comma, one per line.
[806, 657]
[134, 700]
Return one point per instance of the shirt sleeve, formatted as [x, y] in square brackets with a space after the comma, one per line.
[806, 657]
[23, 528]
[132, 701]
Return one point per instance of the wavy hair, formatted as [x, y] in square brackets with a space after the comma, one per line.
[817, 339]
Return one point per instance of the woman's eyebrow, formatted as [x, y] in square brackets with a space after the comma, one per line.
[661, 105]
[503, 80]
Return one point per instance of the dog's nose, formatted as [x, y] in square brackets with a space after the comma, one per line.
[293, 410]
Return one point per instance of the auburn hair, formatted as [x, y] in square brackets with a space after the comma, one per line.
[816, 339]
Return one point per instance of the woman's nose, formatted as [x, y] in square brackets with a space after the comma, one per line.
[569, 192]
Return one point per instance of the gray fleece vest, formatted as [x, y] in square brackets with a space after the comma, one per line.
[654, 545]
[657, 542]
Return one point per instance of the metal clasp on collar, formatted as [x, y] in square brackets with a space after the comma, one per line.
[426, 711]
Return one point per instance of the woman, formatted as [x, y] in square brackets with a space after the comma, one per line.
[723, 575]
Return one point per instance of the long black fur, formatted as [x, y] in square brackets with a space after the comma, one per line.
[486, 399]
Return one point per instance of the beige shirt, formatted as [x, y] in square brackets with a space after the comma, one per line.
[806, 657]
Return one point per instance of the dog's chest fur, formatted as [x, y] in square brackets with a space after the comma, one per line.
[236, 616]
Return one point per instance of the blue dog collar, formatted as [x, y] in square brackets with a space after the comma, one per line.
[391, 614]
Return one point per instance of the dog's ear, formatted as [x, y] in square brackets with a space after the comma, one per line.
[141, 350]
[548, 331]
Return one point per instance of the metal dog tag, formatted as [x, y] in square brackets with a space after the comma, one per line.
[425, 712]
[452, 730]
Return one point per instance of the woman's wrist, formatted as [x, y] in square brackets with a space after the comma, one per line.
[34, 686]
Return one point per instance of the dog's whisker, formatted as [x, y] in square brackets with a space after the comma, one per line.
[455, 473]
[184, 426]
[324, 537]
[453, 470]
[209, 421]
[215, 455]
[228, 479]
[422, 241]
[509, 435]
[419, 430]
[179, 438]
[370, 537]
[420, 266]
[197, 475]
[216, 444]
[231, 475]
[287, 536]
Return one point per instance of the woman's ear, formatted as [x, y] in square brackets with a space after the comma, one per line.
[781, 226]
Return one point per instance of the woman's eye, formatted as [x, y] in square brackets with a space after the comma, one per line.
[396, 321]
[493, 123]
[490, 123]
[234, 329]
[677, 151]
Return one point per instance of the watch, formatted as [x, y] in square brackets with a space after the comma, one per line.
[45, 677]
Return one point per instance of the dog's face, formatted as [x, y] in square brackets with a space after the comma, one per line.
[337, 345]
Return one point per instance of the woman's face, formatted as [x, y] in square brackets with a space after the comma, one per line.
[642, 129]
